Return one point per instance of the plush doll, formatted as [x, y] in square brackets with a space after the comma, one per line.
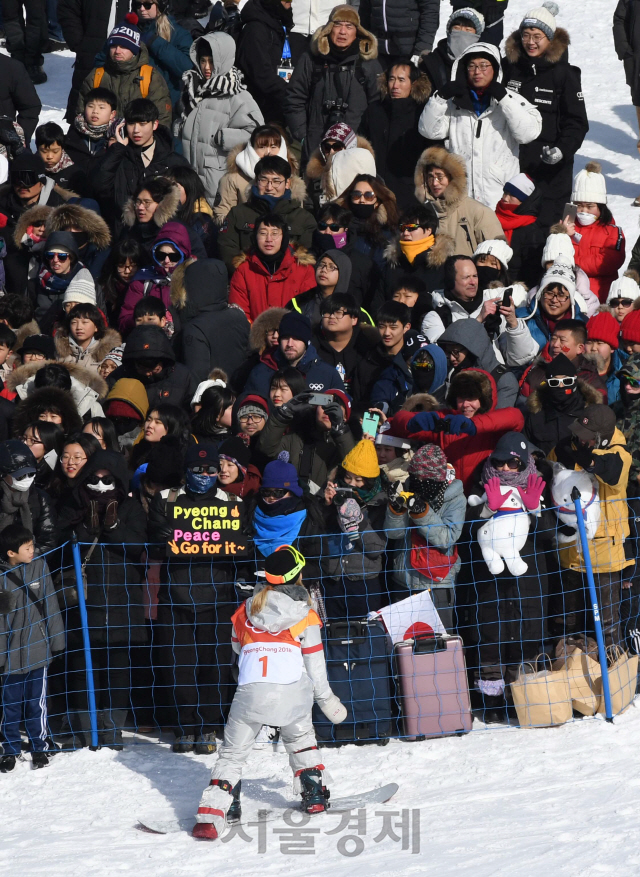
[564, 480]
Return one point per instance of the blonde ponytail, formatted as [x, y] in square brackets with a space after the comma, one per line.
[163, 27]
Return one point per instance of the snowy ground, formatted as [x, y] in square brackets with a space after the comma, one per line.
[497, 802]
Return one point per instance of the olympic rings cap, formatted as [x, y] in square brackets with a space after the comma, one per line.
[284, 565]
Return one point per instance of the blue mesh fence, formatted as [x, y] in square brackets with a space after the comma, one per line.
[421, 634]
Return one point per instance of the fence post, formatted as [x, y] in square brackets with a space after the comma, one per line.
[82, 606]
[602, 654]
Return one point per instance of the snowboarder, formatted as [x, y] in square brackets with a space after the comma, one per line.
[282, 671]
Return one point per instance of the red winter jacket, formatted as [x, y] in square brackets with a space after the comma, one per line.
[254, 289]
[465, 452]
[600, 253]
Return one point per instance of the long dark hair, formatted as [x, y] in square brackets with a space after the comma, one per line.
[386, 198]
[127, 248]
[214, 401]
[174, 420]
[88, 443]
[50, 434]
[109, 434]
[194, 190]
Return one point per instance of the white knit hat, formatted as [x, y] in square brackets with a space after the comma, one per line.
[347, 164]
[562, 273]
[542, 17]
[559, 246]
[589, 185]
[500, 249]
[624, 287]
[81, 289]
[204, 385]
[520, 186]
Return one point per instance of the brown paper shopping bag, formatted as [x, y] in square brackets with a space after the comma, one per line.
[584, 677]
[623, 674]
[541, 697]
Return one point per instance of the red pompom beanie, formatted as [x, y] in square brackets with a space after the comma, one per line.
[630, 329]
[604, 327]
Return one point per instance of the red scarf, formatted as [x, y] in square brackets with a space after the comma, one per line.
[509, 220]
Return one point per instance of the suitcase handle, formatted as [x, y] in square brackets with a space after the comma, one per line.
[425, 644]
[353, 632]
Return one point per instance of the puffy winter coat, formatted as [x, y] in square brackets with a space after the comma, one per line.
[489, 143]
[18, 96]
[626, 39]
[319, 376]
[537, 324]
[600, 252]
[545, 425]
[87, 387]
[466, 453]
[50, 196]
[403, 27]
[216, 124]
[441, 529]
[169, 57]
[215, 334]
[123, 79]
[318, 78]
[34, 630]
[259, 55]
[611, 472]
[427, 266]
[90, 357]
[467, 221]
[95, 251]
[254, 288]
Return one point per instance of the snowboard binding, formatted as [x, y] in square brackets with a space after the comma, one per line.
[315, 796]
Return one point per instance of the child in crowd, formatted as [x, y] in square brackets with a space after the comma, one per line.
[150, 311]
[111, 362]
[59, 166]
[93, 128]
[31, 632]
[84, 338]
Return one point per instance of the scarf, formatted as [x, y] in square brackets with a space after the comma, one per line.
[61, 164]
[271, 532]
[95, 132]
[13, 502]
[509, 478]
[270, 200]
[411, 249]
[364, 496]
[510, 220]
[197, 88]
[54, 284]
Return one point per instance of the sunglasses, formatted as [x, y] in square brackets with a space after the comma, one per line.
[204, 470]
[624, 302]
[363, 196]
[513, 465]
[274, 492]
[554, 383]
[410, 226]
[162, 256]
[61, 257]
[633, 382]
[332, 147]
[107, 480]
[332, 226]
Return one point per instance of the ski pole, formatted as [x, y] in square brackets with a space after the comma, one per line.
[82, 606]
[602, 654]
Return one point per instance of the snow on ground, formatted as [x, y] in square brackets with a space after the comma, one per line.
[496, 802]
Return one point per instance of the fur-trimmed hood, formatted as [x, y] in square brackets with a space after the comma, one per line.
[317, 168]
[592, 396]
[165, 210]
[420, 89]
[421, 402]
[21, 379]
[110, 340]
[264, 323]
[455, 168]
[41, 399]
[443, 247]
[301, 255]
[39, 213]
[232, 166]
[368, 44]
[556, 49]
[69, 216]
[23, 332]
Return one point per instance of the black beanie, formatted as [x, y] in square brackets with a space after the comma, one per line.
[236, 450]
[561, 365]
[297, 326]
[284, 565]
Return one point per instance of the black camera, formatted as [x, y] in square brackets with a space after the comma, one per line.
[337, 110]
[342, 493]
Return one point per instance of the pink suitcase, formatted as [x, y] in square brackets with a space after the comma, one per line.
[433, 687]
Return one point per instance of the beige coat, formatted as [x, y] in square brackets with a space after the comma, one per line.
[92, 356]
[467, 221]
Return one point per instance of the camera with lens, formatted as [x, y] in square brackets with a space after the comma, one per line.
[337, 110]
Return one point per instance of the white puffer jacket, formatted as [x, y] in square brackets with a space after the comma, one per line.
[490, 143]
[217, 124]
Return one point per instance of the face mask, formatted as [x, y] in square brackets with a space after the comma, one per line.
[23, 483]
[586, 218]
[459, 40]
[339, 239]
[560, 397]
[101, 487]
[200, 483]
[362, 211]
[486, 275]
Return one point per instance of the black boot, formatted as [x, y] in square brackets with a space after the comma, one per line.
[234, 813]
[315, 796]
[7, 763]
[37, 75]
[39, 759]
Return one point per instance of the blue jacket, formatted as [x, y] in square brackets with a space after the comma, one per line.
[536, 325]
[319, 375]
[618, 359]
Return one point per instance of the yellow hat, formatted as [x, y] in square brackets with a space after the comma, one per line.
[362, 460]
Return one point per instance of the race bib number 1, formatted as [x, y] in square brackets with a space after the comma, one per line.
[263, 662]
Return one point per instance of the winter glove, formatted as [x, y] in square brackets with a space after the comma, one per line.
[497, 90]
[333, 709]
[417, 506]
[531, 496]
[551, 154]
[334, 413]
[396, 501]
[350, 516]
[111, 514]
[452, 89]
[495, 497]
[458, 424]
[583, 456]
[425, 421]
[9, 137]
[294, 407]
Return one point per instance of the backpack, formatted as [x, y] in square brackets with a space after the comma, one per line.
[145, 78]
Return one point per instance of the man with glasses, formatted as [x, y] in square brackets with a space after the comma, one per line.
[270, 193]
[335, 79]
[483, 121]
[554, 302]
[341, 341]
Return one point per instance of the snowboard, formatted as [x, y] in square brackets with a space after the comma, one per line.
[338, 805]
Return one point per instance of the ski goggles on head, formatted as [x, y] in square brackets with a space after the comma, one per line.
[633, 382]
[292, 574]
[568, 381]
